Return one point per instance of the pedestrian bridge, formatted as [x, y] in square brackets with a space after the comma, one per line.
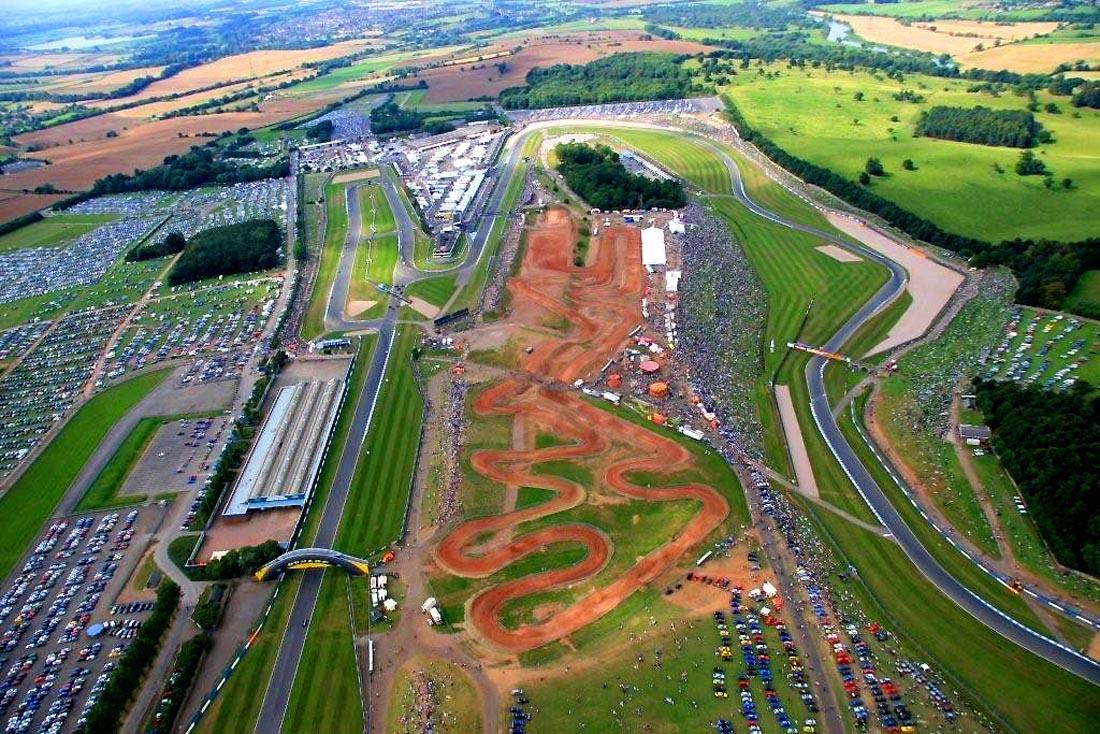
[301, 558]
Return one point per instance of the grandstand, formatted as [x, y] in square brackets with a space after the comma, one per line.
[282, 466]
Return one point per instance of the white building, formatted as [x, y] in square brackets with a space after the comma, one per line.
[653, 246]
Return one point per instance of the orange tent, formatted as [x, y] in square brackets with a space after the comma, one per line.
[658, 419]
[658, 389]
[614, 380]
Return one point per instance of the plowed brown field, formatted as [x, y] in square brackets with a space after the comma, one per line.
[601, 302]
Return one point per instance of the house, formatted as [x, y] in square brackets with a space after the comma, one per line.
[974, 435]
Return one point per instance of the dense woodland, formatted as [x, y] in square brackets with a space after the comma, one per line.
[235, 248]
[1049, 442]
[1011, 128]
[1047, 270]
[627, 77]
[747, 14]
[596, 175]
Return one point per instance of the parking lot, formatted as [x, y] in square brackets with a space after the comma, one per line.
[39, 391]
[60, 633]
[179, 457]
[1052, 351]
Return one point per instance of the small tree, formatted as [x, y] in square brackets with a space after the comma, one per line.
[864, 178]
[858, 96]
[874, 167]
[1067, 183]
[1029, 165]
[908, 165]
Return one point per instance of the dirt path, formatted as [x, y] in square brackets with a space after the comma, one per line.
[600, 304]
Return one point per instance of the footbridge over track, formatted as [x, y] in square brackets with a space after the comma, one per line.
[312, 558]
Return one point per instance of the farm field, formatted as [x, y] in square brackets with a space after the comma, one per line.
[937, 9]
[30, 500]
[54, 231]
[844, 132]
[459, 82]
[375, 511]
[326, 693]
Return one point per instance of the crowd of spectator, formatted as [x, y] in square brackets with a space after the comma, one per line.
[721, 316]
[622, 110]
[454, 425]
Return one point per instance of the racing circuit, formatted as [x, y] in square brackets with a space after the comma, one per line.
[607, 295]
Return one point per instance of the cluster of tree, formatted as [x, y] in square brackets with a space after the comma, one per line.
[105, 716]
[751, 14]
[13, 224]
[1010, 128]
[596, 174]
[628, 77]
[170, 245]
[198, 167]
[235, 248]
[321, 132]
[908, 95]
[241, 561]
[1048, 443]
[1029, 165]
[661, 32]
[1047, 270]
[1088, 96]
[391, 119]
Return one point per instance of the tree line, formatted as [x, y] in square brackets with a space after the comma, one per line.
[390, 119]
[106, 715]
[198, 167]
[1047, 270]
[982, 125]
[747, 14]
[626, 77]
[235, 248]
[1048, 441]
[170, 245]
[596, 174]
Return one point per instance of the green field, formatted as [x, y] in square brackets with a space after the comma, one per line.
[28, 502]
[326, 695]
[436, 291]
[53, 231]
[377, 252]
[336, 229]
[375, 510]
[843, 132]
[966, 9]
[458, 711]
[103, 491]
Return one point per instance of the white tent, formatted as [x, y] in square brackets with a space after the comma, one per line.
[653, 246]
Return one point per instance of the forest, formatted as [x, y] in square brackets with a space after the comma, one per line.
[1048, 442]
[748, 14]
[1010, 128]
[596, 174]
[1047, 270]
[235, 248]
[627, 77]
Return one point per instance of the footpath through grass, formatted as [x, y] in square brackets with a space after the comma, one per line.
[326, 695]
[375, 512]
[28, 502]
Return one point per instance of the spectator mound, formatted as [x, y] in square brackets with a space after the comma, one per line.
[600, 302]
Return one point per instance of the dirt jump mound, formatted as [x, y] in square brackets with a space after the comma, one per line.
[600, 302]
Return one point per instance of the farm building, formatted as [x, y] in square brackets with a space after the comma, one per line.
[974, 435]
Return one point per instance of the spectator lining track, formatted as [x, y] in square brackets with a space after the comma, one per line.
[601, 303]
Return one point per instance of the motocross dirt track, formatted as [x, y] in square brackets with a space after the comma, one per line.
[601, 303]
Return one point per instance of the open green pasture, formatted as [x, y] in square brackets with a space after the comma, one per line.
[336, 229]
[964, 188]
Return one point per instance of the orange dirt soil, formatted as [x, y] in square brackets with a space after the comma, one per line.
[456, 83]
[601, 301]
[16, 205]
